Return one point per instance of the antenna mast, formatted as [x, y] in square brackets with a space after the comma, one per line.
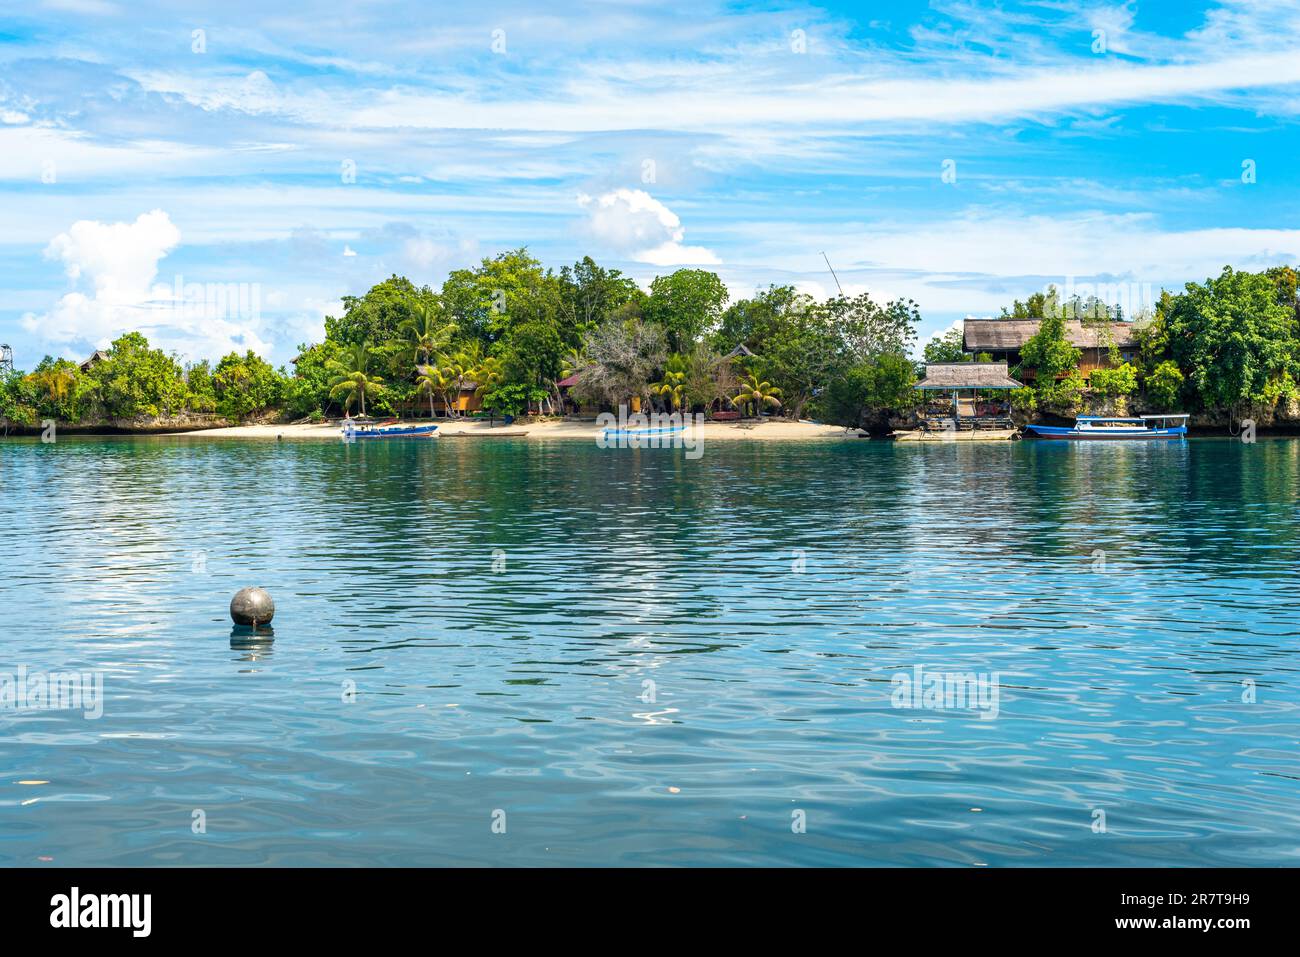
[833, 276]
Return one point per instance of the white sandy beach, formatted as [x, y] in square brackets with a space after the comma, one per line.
[776, 430]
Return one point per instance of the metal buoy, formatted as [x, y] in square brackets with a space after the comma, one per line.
[252, 607]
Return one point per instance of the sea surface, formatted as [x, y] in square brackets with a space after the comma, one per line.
[519, 652]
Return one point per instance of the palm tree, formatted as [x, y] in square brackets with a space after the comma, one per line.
[757, 393]
[351, 376]
[434, 379]
[575, 360]
[488, 374]
[673, 385]
[464, 364]
[427, 329]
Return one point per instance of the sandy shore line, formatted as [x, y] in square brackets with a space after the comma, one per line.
[779, 430]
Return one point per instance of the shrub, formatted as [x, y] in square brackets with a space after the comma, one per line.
[1121, 380]
[1164, 385]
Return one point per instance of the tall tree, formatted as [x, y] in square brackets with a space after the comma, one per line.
[752, 322]
[502, 291]
[1234, 339]
[589, 294]
[377, 317]
[687, 303]
[1055, 362]
[56, 382]
[870, 329]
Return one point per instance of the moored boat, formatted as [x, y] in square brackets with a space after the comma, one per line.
[613, 433]
[489, 434]
[1102, 427]
[389, 431]
[954, 435]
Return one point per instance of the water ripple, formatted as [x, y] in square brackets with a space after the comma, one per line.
[647, 660]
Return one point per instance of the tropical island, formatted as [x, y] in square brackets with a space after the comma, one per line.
[510, 338]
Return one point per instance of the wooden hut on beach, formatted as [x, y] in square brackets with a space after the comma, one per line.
[968, 417]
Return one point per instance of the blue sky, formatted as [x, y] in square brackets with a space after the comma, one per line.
[959, 153]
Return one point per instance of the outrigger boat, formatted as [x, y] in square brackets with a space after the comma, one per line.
[389, 431]
[1111, 427]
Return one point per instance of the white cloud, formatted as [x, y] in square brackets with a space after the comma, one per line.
[423, 252]
[1114, 24]
[120, 259]
[27, 150]
[82, 6]
[632, 222]
[116, 264]
[1080, 244]
[253, 93]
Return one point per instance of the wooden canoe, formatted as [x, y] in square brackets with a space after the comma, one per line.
[487, 434]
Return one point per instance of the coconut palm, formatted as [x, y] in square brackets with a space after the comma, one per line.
[673, 384]
[435, 380]
[351, 378]
[427, 330]
[575, 360]
[488, 374]
[757, 393]
[464, 364]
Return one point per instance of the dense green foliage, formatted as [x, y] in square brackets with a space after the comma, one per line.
[1228, 344]
[508, 331]
[136, 383]
[1235, 338]
[245, 385]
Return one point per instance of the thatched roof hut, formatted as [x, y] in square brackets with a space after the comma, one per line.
[1010, 335]
[949, 376]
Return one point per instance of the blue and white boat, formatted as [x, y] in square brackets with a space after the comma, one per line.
[1103, 427]
[389, 431]
[614, 433]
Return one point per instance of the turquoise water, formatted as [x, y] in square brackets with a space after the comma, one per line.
[468, 628]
